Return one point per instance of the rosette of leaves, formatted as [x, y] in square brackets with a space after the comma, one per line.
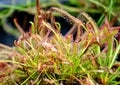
[85, 55]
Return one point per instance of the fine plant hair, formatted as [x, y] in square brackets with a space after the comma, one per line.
[43, 56]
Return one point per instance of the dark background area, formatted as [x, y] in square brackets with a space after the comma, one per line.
[23, 19]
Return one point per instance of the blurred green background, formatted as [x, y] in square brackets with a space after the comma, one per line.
[24, 11]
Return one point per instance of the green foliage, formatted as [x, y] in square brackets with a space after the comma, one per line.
[94, 7]
[43, 56]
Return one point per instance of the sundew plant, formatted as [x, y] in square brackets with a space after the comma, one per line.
[86, 55]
